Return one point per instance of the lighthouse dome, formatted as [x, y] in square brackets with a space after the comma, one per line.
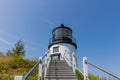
[62, 34]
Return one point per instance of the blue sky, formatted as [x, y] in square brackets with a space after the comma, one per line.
[95, 25]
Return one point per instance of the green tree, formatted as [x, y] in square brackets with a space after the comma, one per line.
[18, 50]
[9, 53]
[1, 54]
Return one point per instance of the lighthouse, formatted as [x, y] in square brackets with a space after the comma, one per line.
[59, 62]
[62, 44]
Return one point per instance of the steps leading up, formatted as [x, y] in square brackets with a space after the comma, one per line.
[59, 70]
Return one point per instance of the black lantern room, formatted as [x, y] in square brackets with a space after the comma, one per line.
[62, 34]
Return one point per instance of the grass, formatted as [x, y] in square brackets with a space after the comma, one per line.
[91, 76]
[15, 66]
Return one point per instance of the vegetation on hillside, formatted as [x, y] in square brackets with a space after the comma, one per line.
[11, 66]
[91, 76]
[13, 63]
[79, 75]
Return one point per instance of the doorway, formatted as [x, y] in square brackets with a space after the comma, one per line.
[55, 57]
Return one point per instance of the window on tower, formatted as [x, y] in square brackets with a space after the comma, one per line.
[55, 49]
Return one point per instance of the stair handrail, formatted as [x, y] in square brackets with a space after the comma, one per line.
[98, 67]
[68, 61]
[71, 62]
[47, 62]
[104, 70]
[31, 71]
[40, 63]
[77, 66]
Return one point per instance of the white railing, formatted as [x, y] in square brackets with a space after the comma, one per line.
[43, 61]
[47, 62]
[104, 70]
[85, 68]
[72, 62]
[39, 63]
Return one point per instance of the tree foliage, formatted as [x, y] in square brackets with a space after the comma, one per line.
[1, 54]
[18, 50]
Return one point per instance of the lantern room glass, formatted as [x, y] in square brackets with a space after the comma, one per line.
[61, 33]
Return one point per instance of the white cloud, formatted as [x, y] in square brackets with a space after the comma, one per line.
[5, 41]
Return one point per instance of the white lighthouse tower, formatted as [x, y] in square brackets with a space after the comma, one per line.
[59, 62]
[62, 45]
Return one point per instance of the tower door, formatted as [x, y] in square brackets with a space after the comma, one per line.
[55, 57]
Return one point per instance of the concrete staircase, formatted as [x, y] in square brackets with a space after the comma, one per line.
[59, 70]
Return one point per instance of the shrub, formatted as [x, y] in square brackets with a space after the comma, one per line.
[79, 75]
[11, 66]
[93, 77]
[90, 76]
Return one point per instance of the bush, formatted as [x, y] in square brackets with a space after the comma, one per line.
[79, 75]
[91, 76]
[11, 66]
[17, 62]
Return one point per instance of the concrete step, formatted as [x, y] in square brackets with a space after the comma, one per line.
[58, 61]
[59, 70]
[60, 73]
[61, 77]
[59, 66]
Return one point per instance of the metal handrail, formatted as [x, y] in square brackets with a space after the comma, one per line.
[72, 63]
[68, 59]
[31, 71]
[41, 61]
[102, 69]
